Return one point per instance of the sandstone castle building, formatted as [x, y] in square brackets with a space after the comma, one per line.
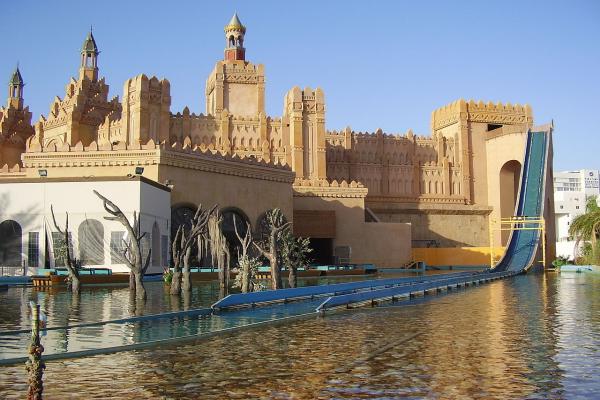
[372, 196]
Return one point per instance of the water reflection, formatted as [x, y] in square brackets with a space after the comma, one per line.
[534, 336]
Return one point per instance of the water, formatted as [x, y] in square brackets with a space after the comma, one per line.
[110, 303]
[533, 336]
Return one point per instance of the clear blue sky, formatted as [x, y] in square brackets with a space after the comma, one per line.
[382, 64]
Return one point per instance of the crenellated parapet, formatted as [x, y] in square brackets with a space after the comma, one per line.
[324, 188]
[470, 124]
[478, 111]
[408, 166]
[180, 154]
[258, 136]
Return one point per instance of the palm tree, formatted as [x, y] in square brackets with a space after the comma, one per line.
[586, 227]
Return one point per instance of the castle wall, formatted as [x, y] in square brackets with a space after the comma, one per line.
[251, 186]
[252, 196]
[240, 99]
[437, 225]
[395, 166]
[387, 245]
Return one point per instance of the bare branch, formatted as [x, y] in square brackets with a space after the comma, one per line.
[261, 250]
[54, 220]
[109, 206]
[281, 228]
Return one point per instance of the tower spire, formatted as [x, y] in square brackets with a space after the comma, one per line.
[89, 57]
[15, 89]
[234, 36]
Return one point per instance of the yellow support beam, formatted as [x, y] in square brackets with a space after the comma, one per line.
[517, 224]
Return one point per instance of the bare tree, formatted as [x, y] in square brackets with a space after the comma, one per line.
[270, 248]
[245, 262]
[182, 248]
[294, 253]
[133, 251]
[35, 365]
[219, 251]
[71, 262]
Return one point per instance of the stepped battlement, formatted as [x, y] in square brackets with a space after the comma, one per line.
[478, 111]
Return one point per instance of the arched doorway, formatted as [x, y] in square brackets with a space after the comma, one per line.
[181, 215]
[90, 235]
[510, 173]
[10, 243]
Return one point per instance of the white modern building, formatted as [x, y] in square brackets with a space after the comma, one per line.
[571, 191]
[28, 236]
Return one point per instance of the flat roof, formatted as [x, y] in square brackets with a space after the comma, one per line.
[88, 179]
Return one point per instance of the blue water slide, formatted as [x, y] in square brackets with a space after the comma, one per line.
[523, 244]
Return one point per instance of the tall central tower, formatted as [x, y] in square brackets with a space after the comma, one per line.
[235, 84]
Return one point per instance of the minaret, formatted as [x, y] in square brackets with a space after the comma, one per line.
[15, 90]
[89, 58]
[234, 35]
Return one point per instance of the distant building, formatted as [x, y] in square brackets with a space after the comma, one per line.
[571, 191]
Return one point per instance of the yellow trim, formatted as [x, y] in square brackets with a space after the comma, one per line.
[456, 256]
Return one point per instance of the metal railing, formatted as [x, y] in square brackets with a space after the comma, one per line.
[13, 270]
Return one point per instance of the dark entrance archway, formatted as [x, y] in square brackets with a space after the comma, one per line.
[230, 217]
[322, 251]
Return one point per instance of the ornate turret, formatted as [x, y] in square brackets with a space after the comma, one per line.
[89, 58]
[235, 84]
[15, 90]
[234, 35]
[15, 123]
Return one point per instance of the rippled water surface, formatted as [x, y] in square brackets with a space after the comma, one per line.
[533, 336]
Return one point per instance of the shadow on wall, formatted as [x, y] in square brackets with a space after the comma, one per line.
[443, 230]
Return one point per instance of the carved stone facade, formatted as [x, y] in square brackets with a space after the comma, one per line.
[401, 178]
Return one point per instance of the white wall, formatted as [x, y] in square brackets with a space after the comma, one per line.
[567, 205]
[29, 205]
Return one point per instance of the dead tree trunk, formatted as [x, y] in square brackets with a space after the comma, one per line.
[244, 258]
[293, 276]
[219, 252]
[186, 282]
[270, 251]
[71, 262]
[35, 365]
[176, 249]
[182, 249]
[133, 252]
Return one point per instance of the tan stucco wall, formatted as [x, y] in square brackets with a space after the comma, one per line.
[447, 230]
[252, 196]
[500, 150]
[479, 169]
[386, 245]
